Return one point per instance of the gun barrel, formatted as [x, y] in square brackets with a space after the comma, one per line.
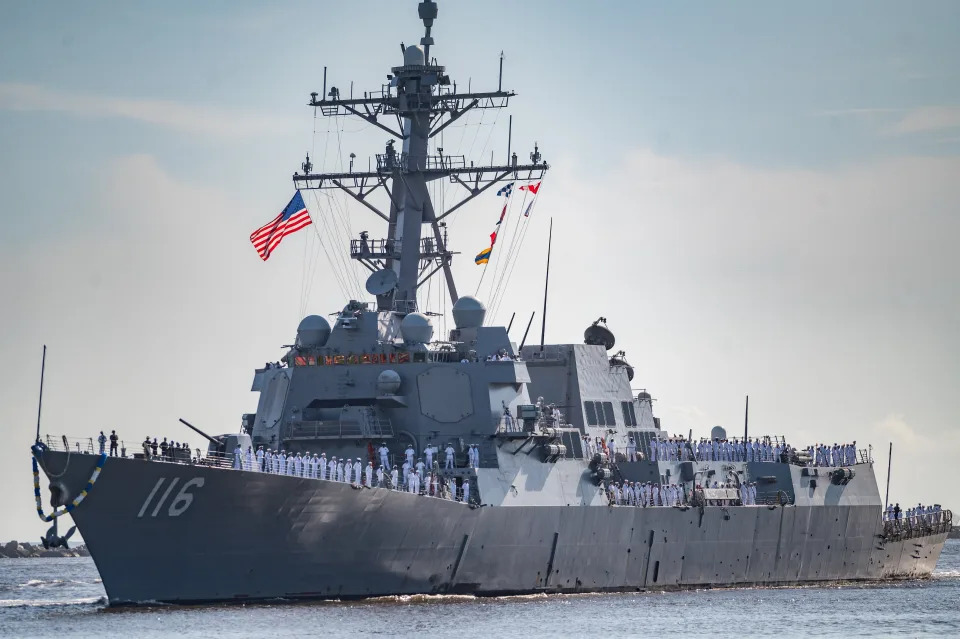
[198, 431]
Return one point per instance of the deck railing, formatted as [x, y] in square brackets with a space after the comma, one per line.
[918, 525]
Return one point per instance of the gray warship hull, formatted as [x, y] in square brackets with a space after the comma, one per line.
[254, 536]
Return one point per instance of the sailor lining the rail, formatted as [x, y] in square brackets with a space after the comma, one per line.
[384, 452]
[357, 471]
[409, 454]
[449, 453]
[368, 474]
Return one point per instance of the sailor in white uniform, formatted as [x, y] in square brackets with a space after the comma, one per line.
[430, 451]
[332, 469]
[631, 450]
[282, 463]
[384, 452]
[395, 478]
[406, 468]
[449, 452]
[380, 476]
[413, 482]
[339, 470]
[466, 491]
[357, 470]
[237, 455]
[420, 466]
[260, 455]
[348, 471]
[409, 454]
[291, 464]
[368, 474]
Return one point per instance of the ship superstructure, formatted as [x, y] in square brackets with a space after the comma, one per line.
[558, 432]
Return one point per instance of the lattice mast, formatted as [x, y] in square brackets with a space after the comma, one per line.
[422, 99]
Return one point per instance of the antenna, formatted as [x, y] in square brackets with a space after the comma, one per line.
[546, 286]
[524, 340]
[43, 368]
[886, 500]
[511, 323]
[500, 80]
[746, 418]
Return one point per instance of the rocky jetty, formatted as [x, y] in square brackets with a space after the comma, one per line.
[15, 549]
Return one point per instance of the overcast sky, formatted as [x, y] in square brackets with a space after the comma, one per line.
[762, 198]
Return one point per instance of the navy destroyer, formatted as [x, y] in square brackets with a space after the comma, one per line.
[526, 469]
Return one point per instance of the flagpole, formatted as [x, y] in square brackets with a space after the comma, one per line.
[43, 368]
[546, 286]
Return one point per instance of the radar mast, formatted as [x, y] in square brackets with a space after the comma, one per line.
[420, 97]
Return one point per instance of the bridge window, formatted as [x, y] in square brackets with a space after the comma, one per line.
[601, 419]
[591, 411]
[608, 413]
[629, 415]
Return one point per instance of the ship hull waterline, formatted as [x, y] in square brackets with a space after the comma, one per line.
[205, 535]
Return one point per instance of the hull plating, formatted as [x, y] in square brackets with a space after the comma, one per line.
[234, 536]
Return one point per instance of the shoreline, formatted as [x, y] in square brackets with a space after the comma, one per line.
[26, 550]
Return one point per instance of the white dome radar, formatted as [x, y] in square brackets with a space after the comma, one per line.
[313, 332]
[416, 328]
[388, 382]
[413, 55]
[469, 312]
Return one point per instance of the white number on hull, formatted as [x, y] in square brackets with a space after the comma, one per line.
[181, 502]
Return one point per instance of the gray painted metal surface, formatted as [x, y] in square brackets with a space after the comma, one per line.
[250, 535]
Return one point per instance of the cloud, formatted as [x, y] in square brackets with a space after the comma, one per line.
[927, 119]
[192, 119]
[898, 430]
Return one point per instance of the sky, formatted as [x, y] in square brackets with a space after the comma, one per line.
[761, 198]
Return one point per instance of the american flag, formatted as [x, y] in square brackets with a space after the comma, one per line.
[291, 219]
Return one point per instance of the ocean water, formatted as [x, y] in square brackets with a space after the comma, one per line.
[64, 598]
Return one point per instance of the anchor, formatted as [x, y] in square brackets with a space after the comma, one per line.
[52, 540]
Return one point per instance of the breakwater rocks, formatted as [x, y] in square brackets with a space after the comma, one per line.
[14, 549]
